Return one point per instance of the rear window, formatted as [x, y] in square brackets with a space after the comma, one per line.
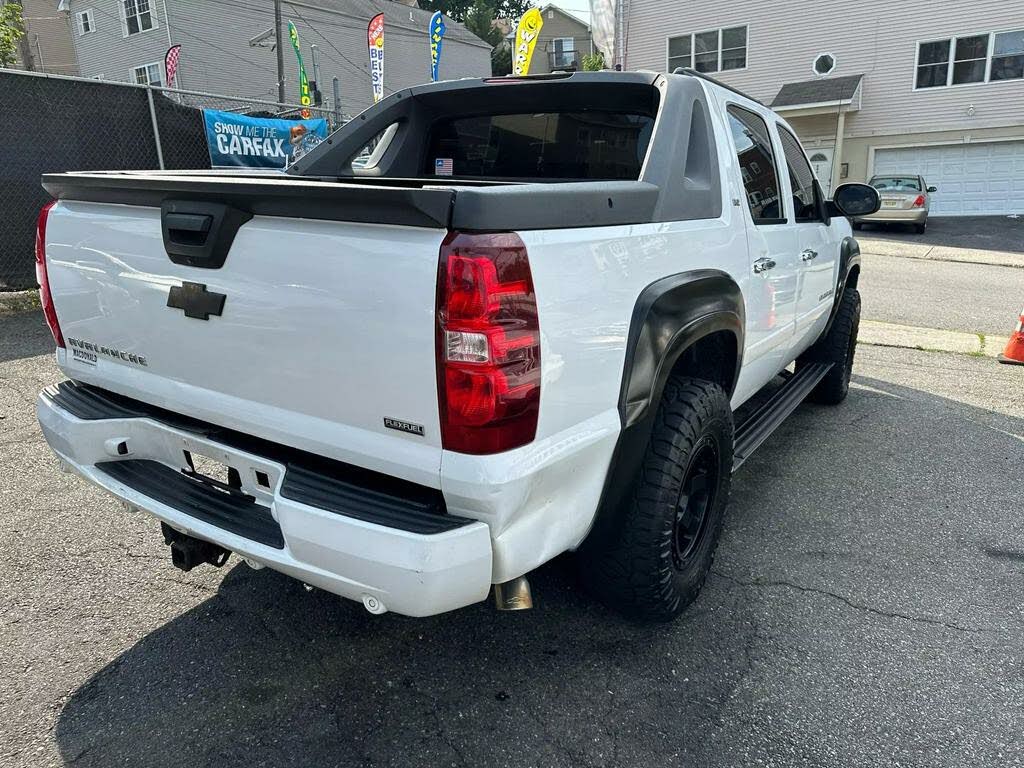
[911, 183]
[544, 145]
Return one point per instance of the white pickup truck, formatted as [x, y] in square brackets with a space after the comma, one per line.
[484, 323]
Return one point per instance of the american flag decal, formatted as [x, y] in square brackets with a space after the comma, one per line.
[443, 166]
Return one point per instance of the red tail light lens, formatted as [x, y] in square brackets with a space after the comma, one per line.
[42, 278]
[488, 344]
[919, 201]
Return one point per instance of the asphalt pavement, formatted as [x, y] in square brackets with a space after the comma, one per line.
[977, 298]
[865, 609]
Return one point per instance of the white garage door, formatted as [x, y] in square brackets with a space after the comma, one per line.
[973, 179]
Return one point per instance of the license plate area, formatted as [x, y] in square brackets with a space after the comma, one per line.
[890, 203]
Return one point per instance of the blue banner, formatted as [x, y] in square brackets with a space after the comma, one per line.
[259, 142]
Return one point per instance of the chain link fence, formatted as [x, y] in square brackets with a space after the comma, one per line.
[52, 124]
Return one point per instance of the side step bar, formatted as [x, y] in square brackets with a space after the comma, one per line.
[756, 428]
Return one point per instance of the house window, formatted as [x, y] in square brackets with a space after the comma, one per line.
[970, 59]
[714, 51]
[137, 17]
[147, 74]
[1008, 56]
[85, 22]
[563, 53]
[933, 64]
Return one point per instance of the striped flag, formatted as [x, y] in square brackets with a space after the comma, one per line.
[443, 166]
[171, 63]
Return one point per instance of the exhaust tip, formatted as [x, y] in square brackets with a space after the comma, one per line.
[513, 595]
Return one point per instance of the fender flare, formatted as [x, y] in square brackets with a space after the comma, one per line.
[669, 317]
[849, 258]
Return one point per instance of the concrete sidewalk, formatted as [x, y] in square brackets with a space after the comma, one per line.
[881, 334]
[887, 247]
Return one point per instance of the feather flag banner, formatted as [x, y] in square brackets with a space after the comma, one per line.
[436, 31]
[375, 43]
[526, 41]
[171, 64]
[305, 98]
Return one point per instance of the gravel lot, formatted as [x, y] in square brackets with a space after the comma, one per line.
[866, 609]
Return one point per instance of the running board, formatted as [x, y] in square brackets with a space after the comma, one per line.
[759, 426]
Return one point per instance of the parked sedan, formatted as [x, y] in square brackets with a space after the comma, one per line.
[905, 200]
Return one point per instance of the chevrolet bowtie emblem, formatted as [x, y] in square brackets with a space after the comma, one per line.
[195, 300]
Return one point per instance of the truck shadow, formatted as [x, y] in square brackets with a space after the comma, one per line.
[264, 673]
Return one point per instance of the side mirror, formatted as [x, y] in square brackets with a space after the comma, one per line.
[854, 200]
[933, 189]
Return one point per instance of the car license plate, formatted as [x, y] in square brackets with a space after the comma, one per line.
[890, 203]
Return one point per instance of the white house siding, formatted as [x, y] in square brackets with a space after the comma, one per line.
[217, 58]
[876, 38]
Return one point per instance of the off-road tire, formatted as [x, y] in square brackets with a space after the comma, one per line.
[838, 348]
[641, 568]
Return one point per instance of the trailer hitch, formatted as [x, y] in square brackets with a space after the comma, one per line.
[187, 551]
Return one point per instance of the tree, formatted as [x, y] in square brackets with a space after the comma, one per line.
[593, 62]
[12, 29]
[461, 9]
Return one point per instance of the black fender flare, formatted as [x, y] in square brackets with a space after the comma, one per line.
[669, 317]
[849, 258]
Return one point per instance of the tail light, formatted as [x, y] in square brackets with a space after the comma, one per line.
[43, 278]
[488, 344]
[919, 202]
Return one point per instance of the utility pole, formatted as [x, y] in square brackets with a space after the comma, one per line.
[317, 98]
[280, 51]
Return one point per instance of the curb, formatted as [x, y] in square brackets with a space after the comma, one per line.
[875, 247]
[18, 301]
[878, 334]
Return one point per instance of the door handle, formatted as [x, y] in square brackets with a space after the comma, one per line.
[763, 265]
[809, 255]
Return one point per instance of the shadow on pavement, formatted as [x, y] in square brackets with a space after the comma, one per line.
[993, 233]
[264, 673]
[24, 335]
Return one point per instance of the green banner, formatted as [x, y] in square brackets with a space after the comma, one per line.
[305, 99]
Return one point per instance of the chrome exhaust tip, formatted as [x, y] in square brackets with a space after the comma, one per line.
[513, 595]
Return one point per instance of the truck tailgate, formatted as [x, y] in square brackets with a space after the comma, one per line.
[326, 329]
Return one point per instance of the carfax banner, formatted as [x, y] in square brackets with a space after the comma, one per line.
[259, 142]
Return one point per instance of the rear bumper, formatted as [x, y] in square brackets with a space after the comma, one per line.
[405, 571]
[895, 216]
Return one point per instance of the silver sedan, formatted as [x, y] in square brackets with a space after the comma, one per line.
[905, 200]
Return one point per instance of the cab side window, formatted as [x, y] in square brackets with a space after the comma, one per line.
[801, 179]
[757, 165]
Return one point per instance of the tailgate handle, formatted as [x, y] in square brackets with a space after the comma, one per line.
[188, 228]
[198, 233]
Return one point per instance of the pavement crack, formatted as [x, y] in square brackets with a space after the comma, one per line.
[850, 603]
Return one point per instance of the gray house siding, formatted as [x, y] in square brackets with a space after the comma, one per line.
[216, 56]
[559, 24]
[874, 38]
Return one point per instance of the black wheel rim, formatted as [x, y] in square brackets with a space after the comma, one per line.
[696, 501]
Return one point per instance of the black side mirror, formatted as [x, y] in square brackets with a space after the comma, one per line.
[855, 200]
[933, 189]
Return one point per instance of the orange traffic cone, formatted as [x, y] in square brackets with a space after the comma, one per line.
[1014, 352]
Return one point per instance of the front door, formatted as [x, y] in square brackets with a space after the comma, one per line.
[816, 242]
[821, 163]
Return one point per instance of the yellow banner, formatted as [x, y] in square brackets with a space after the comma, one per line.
[526, 41]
